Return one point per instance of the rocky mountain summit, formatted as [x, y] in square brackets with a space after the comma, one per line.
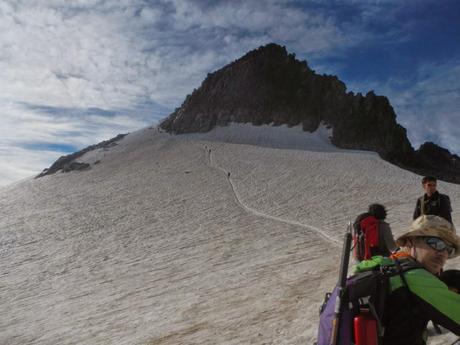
[270, 86]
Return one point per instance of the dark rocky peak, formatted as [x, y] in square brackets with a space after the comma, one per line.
[266, 85]
[270, 86]
[432, 156]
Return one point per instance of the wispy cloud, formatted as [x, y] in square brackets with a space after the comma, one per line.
[426, 104]
[429, 105]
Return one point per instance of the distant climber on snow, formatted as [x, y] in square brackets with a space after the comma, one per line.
[372, 235]
[433, 202]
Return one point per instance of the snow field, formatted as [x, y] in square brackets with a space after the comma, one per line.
[157, 245]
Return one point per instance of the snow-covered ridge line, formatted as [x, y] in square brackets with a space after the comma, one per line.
[281, 137]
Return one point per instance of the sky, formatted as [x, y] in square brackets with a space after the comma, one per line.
[76, 72]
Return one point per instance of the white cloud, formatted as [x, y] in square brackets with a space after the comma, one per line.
[430, 105]
[426, 104]
[21, 163]
[26, 133]
[108, 55]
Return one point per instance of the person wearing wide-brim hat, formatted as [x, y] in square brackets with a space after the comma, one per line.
[418, 295]
[431, 240]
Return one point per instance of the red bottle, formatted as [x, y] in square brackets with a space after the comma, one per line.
[365, 327]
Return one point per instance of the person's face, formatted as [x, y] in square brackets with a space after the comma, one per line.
[430, 187]
[430, 258]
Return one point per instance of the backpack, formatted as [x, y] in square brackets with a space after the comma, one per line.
[362, 304]
[366, 236]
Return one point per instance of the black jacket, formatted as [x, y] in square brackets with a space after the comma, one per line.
[438, 204]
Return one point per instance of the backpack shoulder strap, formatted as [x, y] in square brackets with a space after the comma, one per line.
[403, 267]
[421, 201]
[407, 264]
[401, 271]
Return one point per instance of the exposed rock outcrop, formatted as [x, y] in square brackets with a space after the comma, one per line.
[270, 86]
[432, 159]
[69, 163]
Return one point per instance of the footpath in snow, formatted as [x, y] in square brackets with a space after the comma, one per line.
[209, 154]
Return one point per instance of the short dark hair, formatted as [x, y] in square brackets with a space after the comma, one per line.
[428, 179]
[378, 211]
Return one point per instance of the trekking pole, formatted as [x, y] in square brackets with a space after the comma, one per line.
[341, 284]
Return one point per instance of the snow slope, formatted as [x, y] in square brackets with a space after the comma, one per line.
[228, 237]
[281, 137]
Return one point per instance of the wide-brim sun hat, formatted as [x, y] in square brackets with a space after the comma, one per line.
[430, 225]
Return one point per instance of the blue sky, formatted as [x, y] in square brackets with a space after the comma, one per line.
[74, 73]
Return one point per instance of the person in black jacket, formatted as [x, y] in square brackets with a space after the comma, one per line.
[433, 202]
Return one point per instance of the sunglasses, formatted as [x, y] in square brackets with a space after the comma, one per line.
[439, 245]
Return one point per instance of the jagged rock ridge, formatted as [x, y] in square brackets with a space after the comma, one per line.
[434, 160]
[270, 86]
[69, 162]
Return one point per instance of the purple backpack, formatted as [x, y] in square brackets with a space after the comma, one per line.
[366, 290]
[326, 321]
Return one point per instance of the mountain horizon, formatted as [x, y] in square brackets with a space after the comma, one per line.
[270, 86]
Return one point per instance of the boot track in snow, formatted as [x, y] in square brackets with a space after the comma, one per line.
[209, 161]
